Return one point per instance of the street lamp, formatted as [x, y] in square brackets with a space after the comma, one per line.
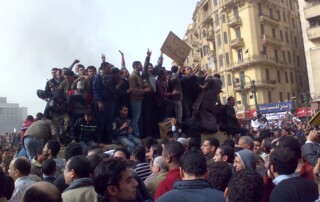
[305, 101]
[253, 91]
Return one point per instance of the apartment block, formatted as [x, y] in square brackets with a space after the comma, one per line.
[250, 40]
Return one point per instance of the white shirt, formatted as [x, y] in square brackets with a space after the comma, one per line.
[20, 186]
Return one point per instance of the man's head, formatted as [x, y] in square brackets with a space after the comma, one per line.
[219, 175]
[124, 111]
[231, 101]
[157, 165]
[209, 146]
[291, 143]
[139, 153]
[19, 167]
[51, 148]
[283, 161]
[171, 154]
[193, 165]
[77, 167]
[5, 153]
[225, 154]
[49, 167]
[113, 179]
[121, 153]
[53, 72]
[136, 65]
[125, 73]
[257, 148]
[246, 186]
[69, 75]
[244, 159]
[42, 191]
[246, 142]
[91, 71]
[73, 149]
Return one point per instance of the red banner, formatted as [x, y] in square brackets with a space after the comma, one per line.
[301, 112]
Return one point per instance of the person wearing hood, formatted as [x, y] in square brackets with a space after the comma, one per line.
[76, 175]
[244, 159]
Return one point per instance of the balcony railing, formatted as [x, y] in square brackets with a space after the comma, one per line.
[207, 17]
[253, 60]
[258, 83]
[226, 3]
[313, 33]
[237, 43]
[311, 11]
[196, 58]
[235, 22]
[210, 35]
[266, 39]
[194, 42]
[268, 19]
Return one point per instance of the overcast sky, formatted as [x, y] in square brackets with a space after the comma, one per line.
[37, 35]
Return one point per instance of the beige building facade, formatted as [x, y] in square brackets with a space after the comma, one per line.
[310, 23]
[250, 40]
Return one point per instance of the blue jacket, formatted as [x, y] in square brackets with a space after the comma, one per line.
[198, 190]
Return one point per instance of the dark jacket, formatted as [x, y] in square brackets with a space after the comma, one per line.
[198, 190]
[84, 131]
[311, 152]
[116, 124]
[99, 88]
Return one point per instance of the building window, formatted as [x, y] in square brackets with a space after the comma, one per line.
[227, 59]
[288, 96]
[240, 55]
[259, 9]
[284, 16]
[300, 79]
[296, 41]
[225, 37]
[217, 19]
[284, 56]
[269, 97]
[205, 50]
[280, 96]
[229, 80]
[220, 60]
[223, 18]
[293, 23]
[264, 50]
[281, 35]
[279, 76]
[262, 28]
[298, 61]
[289, 56]
[274, 33]
[222, 81]
[276, 55]
[279, 16]
[219, 40]
[287, 37]
[238, 32]
[291, 77]
[215, 2]
[267, 75]
[286, 77]
[236, 12]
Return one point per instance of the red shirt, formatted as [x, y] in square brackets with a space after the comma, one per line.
[167, 184]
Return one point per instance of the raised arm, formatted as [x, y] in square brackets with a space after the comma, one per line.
[76, 61]
[145, 73]
[123, 62]
[157, 68]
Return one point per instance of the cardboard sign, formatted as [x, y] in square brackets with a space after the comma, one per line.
[175, 48]
[315, 120]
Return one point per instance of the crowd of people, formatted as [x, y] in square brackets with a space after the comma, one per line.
[63, 157]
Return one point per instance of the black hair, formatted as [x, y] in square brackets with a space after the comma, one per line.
[213, 142]
[29, 118]
[104, 65]
[23, 165]
[68, 72]
[175, 150]
[157, 150]
[284, 160]
[81, 66]
[135, 63]
[54, 145]
[267, 144]
[108, 173]
[80, 165]
[161, 73]
[73, 149]
[194, 162]
[292, 143]
[148, 141]
[229, 98]
[92, 68]
[174, 69]
[48, 167]
[123, 106]
[140, 153]
[54, 69]
[217, 76]
[228, 151]
[219, 175]
[258, 139]
[123, 150]
[265, 133]
[8, 186]
[229, 142]
[246, 186]
[94, 160]
[34, 194]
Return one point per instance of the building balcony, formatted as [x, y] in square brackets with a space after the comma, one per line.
[206, 17]
[235, 22]
[276, 3]
[194, 42]
[313, 33]
[251, 61]
[210, 35]
[270, 84]
[311, 11]
[266, 39]
[196, 58]
[236, 43]
[227, 3]
[268, 19]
